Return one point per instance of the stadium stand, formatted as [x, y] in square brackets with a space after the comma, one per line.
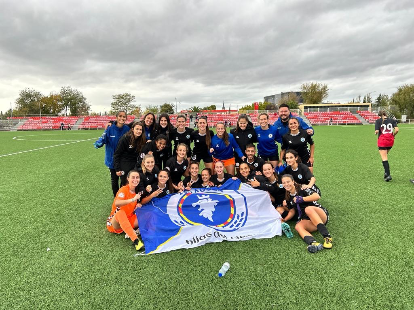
[48, 123]
[335, 117]
[100, 122]
[368, 116]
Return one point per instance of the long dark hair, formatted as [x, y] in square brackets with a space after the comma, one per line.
[169, 182]
[153, 122]
[243, 116]
[159, 128]
[297, 186]
[296, 119]
[138, 142]
[225, 134]
[208, 136]
[298, 160]
[239, 175]
[273, 168]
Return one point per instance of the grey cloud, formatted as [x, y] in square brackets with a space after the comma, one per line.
[238, 50]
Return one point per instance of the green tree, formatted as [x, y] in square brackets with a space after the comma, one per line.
[314, 93]
[250, 107]
[137, 112]
[52, 104]
[151, 108]
[403, 98]
[167, 108]
[291, 100]
[122, 102]
[382, 101]
[210, 107]
[74, 101]
[28, 102]
[195, 109]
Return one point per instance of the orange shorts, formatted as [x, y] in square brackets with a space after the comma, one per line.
[226, 162]
[111, 229]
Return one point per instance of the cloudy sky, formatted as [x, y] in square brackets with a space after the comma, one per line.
[204, 52]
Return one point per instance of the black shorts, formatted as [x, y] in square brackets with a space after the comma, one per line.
[385, 147]
[206, 158]
[305, 217]
[270, 158]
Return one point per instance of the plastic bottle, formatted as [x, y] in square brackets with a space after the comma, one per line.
[223, 269]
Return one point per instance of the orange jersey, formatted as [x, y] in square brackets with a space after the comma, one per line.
[124, 194]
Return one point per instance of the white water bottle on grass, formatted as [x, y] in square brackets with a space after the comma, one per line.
[223, 269]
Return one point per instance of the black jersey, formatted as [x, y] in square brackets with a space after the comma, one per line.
[154, 187]
[275, 189]
[158, 155]
[299, 143]
[385, 126]
[194, 184]
[182, 137]
[176, 169]
[302, 175]
[166, 132]
[251, 177]
[148, 178]
[200, 146]
[256, 164]
[219, 182]
[126, 154]
[244, 137]
[300, 208]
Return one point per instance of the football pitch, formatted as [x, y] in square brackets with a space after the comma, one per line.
[55, 196]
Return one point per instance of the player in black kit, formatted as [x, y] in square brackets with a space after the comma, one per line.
[386, 129]
[202, 141]
[312, 216]
[177, 165]
[255, 163]
[148, 171]
[182, 134]
[244, 134]
[298, 139]
[220, 177]
[165, 128]
[300, 172]
[155, 147]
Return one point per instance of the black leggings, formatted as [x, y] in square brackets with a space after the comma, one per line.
[114, 181]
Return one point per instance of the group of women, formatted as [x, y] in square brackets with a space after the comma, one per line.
[153, 159]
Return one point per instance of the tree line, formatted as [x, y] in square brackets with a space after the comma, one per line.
[70, 101]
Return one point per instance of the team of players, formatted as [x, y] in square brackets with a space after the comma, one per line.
[153, 160]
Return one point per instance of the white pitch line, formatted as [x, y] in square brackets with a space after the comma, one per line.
[45, 147]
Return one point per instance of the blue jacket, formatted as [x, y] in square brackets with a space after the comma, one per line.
[221, 151]
[283, 128]
[110, 138]
[266, 138]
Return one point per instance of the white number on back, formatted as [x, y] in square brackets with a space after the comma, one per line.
[386, 128]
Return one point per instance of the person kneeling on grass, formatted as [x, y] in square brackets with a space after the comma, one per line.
[123, 217]
[312, 216]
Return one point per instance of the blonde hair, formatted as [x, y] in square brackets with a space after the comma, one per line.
[144, 170]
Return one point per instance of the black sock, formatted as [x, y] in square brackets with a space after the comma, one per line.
[323, 230]
[309, 240]
[386, 167]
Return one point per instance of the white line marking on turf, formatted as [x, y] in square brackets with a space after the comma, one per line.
[45, 147]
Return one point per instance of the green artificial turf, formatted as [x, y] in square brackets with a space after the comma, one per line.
[59, 197]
